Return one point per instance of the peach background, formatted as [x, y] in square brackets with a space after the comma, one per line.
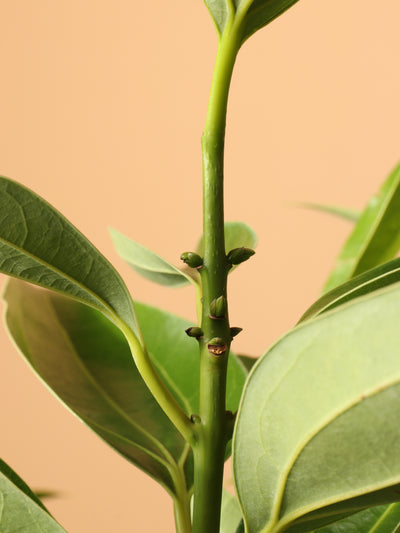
[102, 107]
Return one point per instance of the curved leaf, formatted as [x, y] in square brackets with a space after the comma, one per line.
[86, 361]
[147, 263]
[376, 236]
[372, 280]
[317, 424]
[380, 519]
[20, 509]
[38, 245]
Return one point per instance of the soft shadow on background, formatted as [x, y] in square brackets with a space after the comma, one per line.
[102, 107]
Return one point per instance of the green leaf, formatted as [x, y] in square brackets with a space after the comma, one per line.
[147, 263]
[231, 515]
[237, 235]
[372, 280]
[317, 425]
[38, 245]
[380, 519]
[253, 14]
[342, 212]
[20, 509]
[219, 11]
[84, 358]
[376, 236]
[259, 13]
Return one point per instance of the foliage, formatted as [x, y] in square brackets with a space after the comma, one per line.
[313, 424]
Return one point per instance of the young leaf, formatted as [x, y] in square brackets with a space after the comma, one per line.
[86, 361]
[372, 280]
[220, 11]
[380, 519]
[317, 424]
[254, 14]
[38, 245]
[376, 236]
[147, 263]
[20, 509]
[237, 235]
[259, 13]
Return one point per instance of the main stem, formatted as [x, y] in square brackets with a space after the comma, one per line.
[212, 425]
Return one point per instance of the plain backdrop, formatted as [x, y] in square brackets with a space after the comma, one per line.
[102, 104]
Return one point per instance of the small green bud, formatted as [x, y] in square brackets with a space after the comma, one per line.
[239, 255]
[195, 419]
[216, 346]
[191, 259]
[218, 307]
[194, 332]
[235, 331]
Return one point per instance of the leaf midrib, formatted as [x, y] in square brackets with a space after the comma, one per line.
[106, 396]
[105, 307]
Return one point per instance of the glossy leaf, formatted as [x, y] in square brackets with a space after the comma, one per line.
[231, 515]
[380, 519]
[376, 236]
[237, 235]
[38, 245]
[317, 424]
[341, 212]
[86, 361]
[20, 509]
[254, 14]
[147, 263]
[372, 280]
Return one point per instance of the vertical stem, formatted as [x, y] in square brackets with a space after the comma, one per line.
[209, 449]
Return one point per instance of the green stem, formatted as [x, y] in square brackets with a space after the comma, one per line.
[209, 448]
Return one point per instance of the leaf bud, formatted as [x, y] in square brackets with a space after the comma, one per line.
[235, 331]
[192, 259]
[194, 332]
[239, 255]
[216, 346]
[218, 307]
[195, 419]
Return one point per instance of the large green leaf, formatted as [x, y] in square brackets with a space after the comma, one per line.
[317, 431]
[38, 245]
[20, 509]
[86, 361]
[253, 14]
[380, 519]
[376, 236]
[147, 263]
[372, 280]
